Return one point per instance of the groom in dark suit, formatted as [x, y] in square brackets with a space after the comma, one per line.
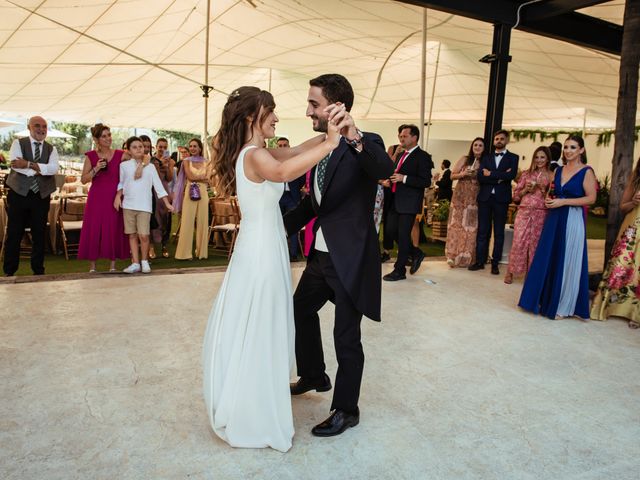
[495, 174]
[344, 262]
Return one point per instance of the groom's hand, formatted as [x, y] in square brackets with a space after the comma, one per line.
[348, 127]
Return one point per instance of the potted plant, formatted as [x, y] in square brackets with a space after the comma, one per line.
[440, 218]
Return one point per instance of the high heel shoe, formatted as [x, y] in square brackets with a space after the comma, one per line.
[152, 253]
[165, 252]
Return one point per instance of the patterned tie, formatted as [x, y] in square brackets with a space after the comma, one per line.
[400, 162]
[321, 171]
[36, 159]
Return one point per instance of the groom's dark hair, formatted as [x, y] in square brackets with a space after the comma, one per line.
[335, 88]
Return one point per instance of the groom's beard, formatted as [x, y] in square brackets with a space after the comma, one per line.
[322, 124]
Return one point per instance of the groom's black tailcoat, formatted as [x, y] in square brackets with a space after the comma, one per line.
[349, 275]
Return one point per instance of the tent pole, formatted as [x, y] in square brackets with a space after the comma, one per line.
[423, 75]
[584, 124]
[206, 88]
[433, 92]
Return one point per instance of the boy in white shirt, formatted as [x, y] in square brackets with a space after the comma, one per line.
[135, 183]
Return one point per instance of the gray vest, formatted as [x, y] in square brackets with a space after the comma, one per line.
[21, 183]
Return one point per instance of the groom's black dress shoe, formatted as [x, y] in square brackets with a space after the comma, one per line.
[418, 257]
[495, 270]
[337, 423]
[394, 276]
[475, 266]
[303, 385]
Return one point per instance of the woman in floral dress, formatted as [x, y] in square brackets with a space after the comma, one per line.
[530, 193]
[462, 227]
[618, 293]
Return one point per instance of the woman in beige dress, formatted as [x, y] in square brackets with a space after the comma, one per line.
[462, 228]
[194, 169]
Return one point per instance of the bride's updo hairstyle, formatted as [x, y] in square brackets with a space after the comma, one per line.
[243, 104]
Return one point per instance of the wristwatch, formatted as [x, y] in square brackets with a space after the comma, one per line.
[356, 141]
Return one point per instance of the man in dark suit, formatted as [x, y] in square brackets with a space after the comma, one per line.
[412, 175]
[444, 183]
[388, 237]
[344, 261]
[290, 198]
[31, 182]
[495, 174]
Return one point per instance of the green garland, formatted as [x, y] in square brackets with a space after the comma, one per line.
[543, 134]
[604, 137]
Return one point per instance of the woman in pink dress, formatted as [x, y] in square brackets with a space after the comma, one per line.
[102, 234]
[530, 192]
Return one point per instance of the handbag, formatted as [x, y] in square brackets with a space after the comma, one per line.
[194, 191]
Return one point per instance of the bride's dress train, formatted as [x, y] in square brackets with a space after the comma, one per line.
[248, 347]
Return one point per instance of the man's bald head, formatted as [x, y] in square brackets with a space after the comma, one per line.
[38, 128]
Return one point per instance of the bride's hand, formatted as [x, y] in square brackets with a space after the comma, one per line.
[336, 121]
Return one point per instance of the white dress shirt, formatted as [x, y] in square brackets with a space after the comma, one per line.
[498, 159]
[137, 192]
[50, 168]
[408, 152]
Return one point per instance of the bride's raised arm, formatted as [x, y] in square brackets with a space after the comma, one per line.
[286, 153]
[259, 162]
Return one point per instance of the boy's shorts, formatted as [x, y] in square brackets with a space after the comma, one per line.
[136, 221]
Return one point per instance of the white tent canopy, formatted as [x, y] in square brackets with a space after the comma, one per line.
[51, 133]
[141, 62]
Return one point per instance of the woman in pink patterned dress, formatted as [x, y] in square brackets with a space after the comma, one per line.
[462, 227]
[530, 193]
[102, 234]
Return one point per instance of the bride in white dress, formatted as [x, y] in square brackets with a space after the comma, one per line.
[248, 347]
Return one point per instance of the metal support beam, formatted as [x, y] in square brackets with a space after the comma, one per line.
[579, 29]
[499, 60]
[502, 11]
[551, 8]
[548, 19]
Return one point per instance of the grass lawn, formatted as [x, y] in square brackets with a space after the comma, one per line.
[56, 264]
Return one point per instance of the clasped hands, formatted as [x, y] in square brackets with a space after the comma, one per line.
[340, 123]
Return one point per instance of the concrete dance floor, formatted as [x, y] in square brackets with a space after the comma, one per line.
[101, 379]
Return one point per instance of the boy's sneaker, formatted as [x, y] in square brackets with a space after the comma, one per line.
[133, 268]
[145, 266]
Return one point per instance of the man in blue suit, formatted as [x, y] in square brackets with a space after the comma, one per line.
[495, 174]
[290, 198]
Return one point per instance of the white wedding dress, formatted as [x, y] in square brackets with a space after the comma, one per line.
[248, 347]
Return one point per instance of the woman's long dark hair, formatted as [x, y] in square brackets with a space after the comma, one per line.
[243, 103]
[636, 177]
[580, 141]
[470, 156]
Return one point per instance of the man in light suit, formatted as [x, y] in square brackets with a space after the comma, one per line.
[495, 174]
[412, 175]
[31, 182]
[344, 262]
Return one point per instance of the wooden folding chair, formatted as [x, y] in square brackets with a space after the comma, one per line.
[224, 222]
[67, 224]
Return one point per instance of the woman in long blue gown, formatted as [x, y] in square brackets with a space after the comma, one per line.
[557, 284]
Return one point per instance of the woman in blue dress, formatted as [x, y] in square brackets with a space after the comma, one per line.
[557, 284]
